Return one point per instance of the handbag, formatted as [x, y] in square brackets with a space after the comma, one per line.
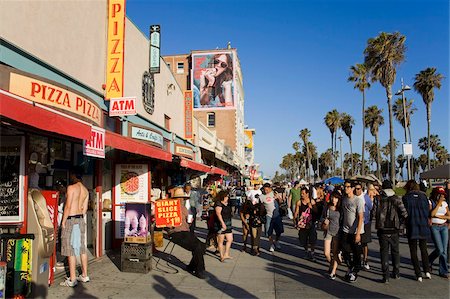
[283, 209]
[305, 219]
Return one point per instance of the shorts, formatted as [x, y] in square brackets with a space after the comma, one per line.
[366, 238]
[274, 224]
[328, 237]
[66, 233]
[307, 236]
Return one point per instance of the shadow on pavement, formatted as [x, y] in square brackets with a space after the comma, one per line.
[166, 289]
[80, 292]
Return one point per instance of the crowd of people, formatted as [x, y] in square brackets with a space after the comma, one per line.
[344, 213]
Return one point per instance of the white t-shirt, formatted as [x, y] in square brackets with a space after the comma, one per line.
[269, 203]
[440, 212]
[251, 195]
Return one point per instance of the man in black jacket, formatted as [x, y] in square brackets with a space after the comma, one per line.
[389, 212]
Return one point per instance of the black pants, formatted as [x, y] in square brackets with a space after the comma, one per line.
[352, 252]
[193, 225]
[424, 253]
[386, 240]
[189, 241]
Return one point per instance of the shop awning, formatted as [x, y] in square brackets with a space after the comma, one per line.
[41, 117]
[136, 147]
[217, 170]
[194, 165]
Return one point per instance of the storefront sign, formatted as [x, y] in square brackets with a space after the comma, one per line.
[131, 183]
[54, 96]
[168, 213]
[122, 106]
[115, 54]
[147, 135]
[95, 147]
[188, 114]
[185, 151]
[155, 47]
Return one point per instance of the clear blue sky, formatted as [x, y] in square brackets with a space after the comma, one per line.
[295, 58]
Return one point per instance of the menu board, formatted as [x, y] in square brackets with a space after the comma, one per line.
[131, 183]
[11, 199]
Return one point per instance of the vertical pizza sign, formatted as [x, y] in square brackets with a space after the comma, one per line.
[131, 183]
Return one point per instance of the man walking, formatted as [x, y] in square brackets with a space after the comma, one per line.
[273, 217]
[389, 212]
[74, 229]
[294, 196]
[353, 228]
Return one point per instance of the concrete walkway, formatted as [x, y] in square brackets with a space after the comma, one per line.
[284, 274]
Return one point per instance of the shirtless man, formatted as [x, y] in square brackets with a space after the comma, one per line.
[74, 229]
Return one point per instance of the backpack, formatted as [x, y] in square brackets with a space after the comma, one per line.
[391, 213]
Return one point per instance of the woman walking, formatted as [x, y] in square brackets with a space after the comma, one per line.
[439, 231]
[223, 224]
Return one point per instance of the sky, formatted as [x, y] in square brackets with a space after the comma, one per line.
[295, 58]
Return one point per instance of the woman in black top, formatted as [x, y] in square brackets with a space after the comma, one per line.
[223, 224]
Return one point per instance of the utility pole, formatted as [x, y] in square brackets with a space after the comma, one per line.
[406, 126]
[340, 153]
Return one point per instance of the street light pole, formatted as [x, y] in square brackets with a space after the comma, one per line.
[406, 124]
[340, 146]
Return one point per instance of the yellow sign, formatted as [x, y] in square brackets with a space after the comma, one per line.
[248, 138]
[115, 55]
[55, 96]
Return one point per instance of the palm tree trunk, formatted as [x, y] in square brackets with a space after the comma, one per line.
[428, 134]
[335, 156]
[378, 157]
[332, 152]
[351, 155]
[391, 134]
[363, 134]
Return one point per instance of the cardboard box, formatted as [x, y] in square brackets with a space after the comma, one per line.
[137, 223]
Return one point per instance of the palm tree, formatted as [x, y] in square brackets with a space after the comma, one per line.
[383, 55]
[399, 114]
[425, 82]
[401, 164]
[332, 121]
[433, 145]
[347, 123]
[442, 155]
[373, 120]
[326, 160]
[304, 135]
[423, 161]
[371, 148]
[360, 75]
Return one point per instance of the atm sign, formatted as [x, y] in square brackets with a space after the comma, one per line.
[95, 146]
[122, 106]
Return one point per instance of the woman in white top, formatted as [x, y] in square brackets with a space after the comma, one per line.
[440, 214]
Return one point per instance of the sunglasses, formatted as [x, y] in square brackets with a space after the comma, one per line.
[358, 188]
[348, 186]
[221, 63]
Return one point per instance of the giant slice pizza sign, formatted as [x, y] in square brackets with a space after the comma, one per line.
[167, 213]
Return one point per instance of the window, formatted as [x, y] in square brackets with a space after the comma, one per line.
[169, 66]
[180, 67]
[166, 122]
[211, 121]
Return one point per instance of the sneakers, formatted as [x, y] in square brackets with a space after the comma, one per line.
[385, 280]
[395, 276]
[277, 245]
[83, 278]
[332, 276]
[312, 257]
[428, 275]
[272, 248]
[68, 283]
[352, 277]
[419, 279]
[366, 265]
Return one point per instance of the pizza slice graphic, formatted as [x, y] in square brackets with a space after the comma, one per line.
[129, 182]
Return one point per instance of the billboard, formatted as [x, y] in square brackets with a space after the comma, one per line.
[213, 80]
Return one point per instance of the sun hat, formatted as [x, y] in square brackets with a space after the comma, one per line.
[179, 193]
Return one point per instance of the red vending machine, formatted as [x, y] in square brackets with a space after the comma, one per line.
[52, 199]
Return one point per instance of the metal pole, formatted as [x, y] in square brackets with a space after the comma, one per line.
[408, 163]
[340, 146]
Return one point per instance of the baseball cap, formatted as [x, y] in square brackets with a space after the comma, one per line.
[440, 190]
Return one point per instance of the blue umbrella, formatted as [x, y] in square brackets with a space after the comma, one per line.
[334, 180]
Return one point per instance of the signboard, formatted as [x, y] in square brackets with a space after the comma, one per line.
[95, 146]
[188, 114]
[155, 47]
[115, 54]
[147, 135]
[248, 138]
[407, 149]
[122, 106]
[168, 213]
[131, 183]
[213, 80]
[185, 151]
[55, 96]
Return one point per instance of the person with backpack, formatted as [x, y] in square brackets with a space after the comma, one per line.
[389, 213]
[303, 221]
[256, 219]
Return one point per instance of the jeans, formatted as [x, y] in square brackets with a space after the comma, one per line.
[189, 241]
[423, 250]
[349, 248]
[440, 239]
[385, 241]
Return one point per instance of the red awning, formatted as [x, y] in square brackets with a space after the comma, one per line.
[41, 117]
[217, 170]
[194, 165]
[136, 147]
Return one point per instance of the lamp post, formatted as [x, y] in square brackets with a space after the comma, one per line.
[406, 124]
[340, 146]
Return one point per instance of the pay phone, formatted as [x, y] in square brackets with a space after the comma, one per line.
[40, 224]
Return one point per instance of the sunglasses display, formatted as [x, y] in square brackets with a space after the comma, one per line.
[221, 63]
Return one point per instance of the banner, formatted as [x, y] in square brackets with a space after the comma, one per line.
[115, 54]
[131, 183]
[188, 114]
[155, 47]
[248, 139]
[168, 213]
[213, 80]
